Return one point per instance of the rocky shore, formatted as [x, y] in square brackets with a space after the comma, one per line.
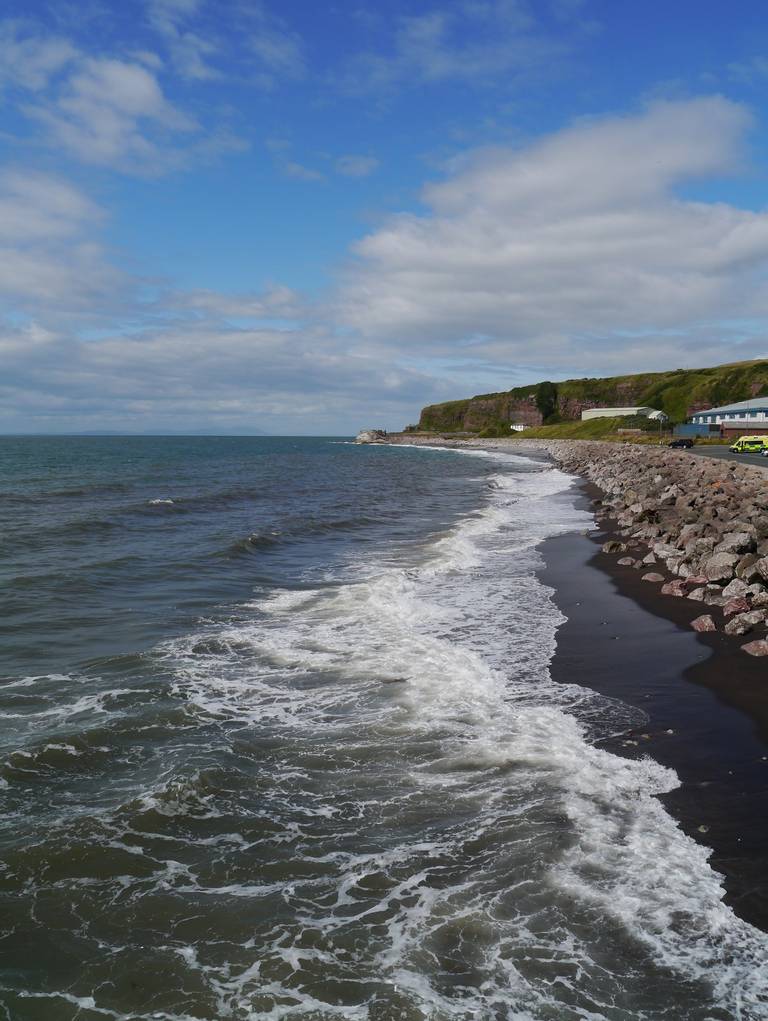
[694, 527]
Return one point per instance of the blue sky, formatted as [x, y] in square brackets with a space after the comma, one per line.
[307, 218]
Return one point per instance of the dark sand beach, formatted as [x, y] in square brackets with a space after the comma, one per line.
[706, 701]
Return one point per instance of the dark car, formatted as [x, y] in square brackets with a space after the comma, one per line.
[683, 442]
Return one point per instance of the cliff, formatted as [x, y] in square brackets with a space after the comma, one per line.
[679, 393]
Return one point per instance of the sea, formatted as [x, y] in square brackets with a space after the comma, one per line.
[279, 741]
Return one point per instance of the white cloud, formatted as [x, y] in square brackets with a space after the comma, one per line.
[259, 47]
[50, 256]
[356, 166]
[553, 253]
[471, 41]
[280, 52]
[189, 51]
[301, 173]
[276, 303]
[29, 60]
[303, 380]
[114, 113]
[753, 71]
[39, 207]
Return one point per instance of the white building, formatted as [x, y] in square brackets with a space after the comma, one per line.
[741, 415]
[621, 413]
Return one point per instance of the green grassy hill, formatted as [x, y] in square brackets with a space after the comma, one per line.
[676, 392]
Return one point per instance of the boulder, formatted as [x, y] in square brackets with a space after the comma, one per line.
[697, 594]
[761, 566]
[735, 542]
[719, 566]
[652, 576]
[757, 648]
[738, 605]
[703, 623]
[746, 569]
[694, 580]
[614, 546]
[760, 600]
[664, 550]
[675, 588]
[626, 561]
[735, 588]
[742, 623]
[649, 559]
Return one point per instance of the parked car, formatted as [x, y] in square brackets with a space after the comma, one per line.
[683, 441]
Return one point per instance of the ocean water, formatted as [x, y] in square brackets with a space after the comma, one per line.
[279, 741]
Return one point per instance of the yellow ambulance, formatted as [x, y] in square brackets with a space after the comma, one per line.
[750, 445]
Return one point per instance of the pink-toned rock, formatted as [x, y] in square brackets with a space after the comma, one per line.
[703, 623]
[652, 576]
[674, 588]
[626, 562]
[695, 580]
[757, 648]
[738, 605]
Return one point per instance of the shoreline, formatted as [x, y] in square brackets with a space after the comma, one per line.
[706, 701]
[621, 640]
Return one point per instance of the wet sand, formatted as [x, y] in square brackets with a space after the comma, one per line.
[626, 640]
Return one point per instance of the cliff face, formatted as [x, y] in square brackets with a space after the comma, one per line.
[679, 393]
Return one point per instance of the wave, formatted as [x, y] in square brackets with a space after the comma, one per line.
[296, 531]
[379, 805]
[442, 669]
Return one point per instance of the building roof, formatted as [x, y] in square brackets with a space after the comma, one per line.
[633, 407]
[756, 404]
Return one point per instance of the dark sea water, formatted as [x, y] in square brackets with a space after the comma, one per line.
[279, 741]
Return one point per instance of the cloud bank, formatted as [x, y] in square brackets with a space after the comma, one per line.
[580, 252]
[554, 254]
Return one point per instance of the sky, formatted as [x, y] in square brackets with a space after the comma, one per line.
[234, 216]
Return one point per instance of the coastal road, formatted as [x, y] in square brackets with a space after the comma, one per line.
[724, 454]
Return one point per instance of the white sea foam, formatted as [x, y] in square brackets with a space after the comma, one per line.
[452, 654]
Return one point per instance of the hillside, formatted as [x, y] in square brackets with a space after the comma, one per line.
[679, 393]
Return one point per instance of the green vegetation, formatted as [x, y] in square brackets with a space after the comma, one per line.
[592, 429]
[674, 392]
[546, 400]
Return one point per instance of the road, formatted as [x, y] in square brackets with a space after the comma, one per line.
[724, 454]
